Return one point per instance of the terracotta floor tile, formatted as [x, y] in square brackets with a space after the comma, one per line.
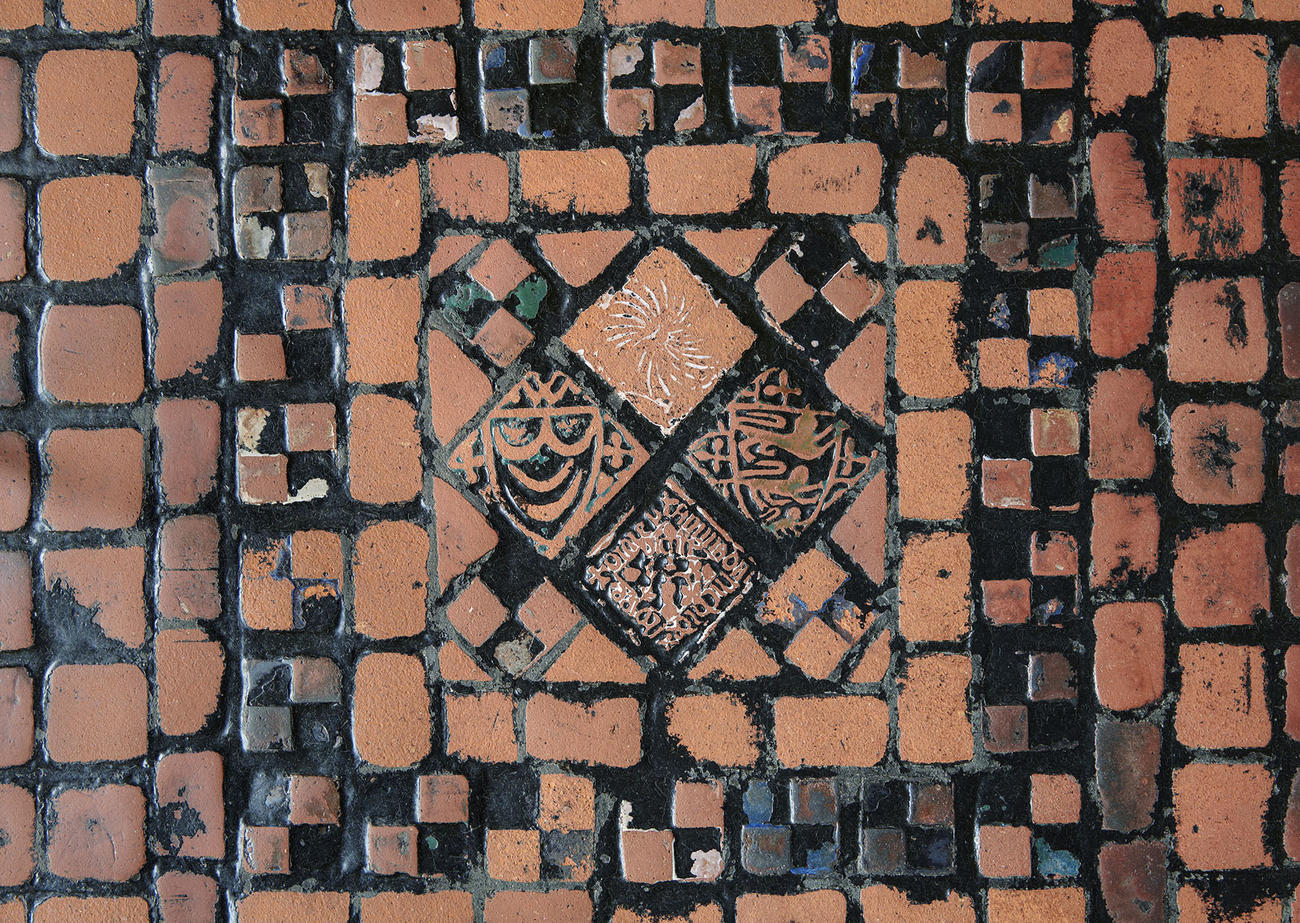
[649, 461]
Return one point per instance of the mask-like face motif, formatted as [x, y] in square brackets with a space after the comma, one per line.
[549, 458]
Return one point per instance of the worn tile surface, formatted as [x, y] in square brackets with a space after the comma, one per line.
[649, 460]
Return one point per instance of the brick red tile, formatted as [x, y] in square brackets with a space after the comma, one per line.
[85, 101]
[17, 716]
[934, 724]
[401, 15]
[268, 906]
[90, 225]
[1130, 661]
[13, 217]
[390, 576]
[11, 106]
[92, 353]
[824, 904]
[188, 668]
[1218, 87]
[391, 723]
[1010, 905]
[1221, 577]
[1216, 208]
[605, 732]
[384, 213]
[933, 212]
[475, 186]
[883, 13]
[1218, 453]
[1219, 813]
[107, 583]
[383, 450]
[186, 897]
[22, 14]
[926, 363]
[183, 118]
[15, 600]
[1127, 761]
[481, 727]
[265, 15]
[699, 179]
[933, 462]
[15, 482]
[402, 907]
[594, 181]
[93, 909]
[94, 479]
[508, 906]
[851, 730]
[188, 318]
[525, 16]
[638, 12]
[382, 318]
[1119, 185]
[715, 728]
[189, 785]
[1133, 880]
[1120, 441]
[96, 712]
[1121, 64]
[1223, 701]
[1125, 538]
[934, 587]
[185, 17]
[97, 833]
[99, 15]
[18, 823]
[841, 179]
[1123, 302]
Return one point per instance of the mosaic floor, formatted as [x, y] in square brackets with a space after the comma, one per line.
[649, 460]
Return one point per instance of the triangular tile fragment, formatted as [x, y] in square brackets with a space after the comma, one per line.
[460, 389]
[739, 657]
[580, 256]
[732, 251]
[873, 239]
[448, 251]
[463, 534]
[593, 658]
[457, 666]
[875, 660]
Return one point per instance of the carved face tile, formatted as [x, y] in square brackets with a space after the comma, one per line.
[548, 457]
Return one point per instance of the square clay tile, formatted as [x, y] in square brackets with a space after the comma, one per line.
[503, 337]
[677, 63]
[97, 833]
[662, 341]
[392, 850]
[1216, 208]
[259, 356]
[313, 800]
[442, 799]
[500, 269]
[310, 427]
